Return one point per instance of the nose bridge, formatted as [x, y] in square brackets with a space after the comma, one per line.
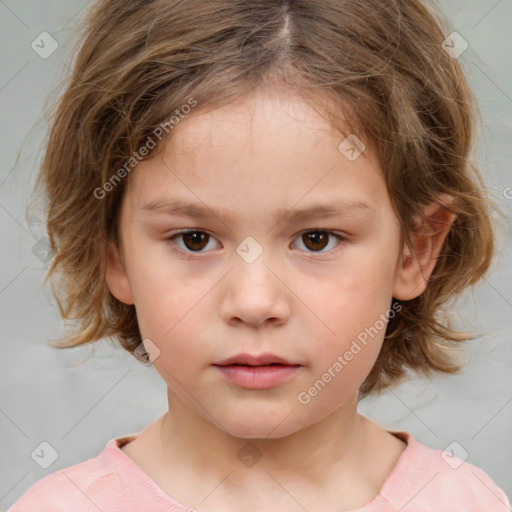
[253, 261]
[255, 292]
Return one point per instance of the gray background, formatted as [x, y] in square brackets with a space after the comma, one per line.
[78, 409]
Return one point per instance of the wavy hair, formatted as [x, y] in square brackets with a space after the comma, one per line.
[380, 63]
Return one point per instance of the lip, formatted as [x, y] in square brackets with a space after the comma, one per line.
[254, 360]
[262, 371]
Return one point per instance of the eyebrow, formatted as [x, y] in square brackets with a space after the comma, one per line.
[200, 211]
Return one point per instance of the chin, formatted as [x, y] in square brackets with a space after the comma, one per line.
[248, 427]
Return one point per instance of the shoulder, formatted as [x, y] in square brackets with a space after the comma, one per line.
[429, 479]
[82, 487]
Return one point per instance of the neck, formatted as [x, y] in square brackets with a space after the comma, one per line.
[332, 448]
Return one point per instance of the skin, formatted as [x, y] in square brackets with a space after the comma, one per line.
[303, 302]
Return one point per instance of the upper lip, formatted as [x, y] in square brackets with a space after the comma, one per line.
[255, 360]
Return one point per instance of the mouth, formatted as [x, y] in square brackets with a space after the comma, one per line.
[257, 372]
[256, 360]
[257, 365]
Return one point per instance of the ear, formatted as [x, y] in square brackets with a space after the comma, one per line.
[116, 276]
[416, 264]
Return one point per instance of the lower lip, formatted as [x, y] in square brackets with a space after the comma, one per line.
[258, 377]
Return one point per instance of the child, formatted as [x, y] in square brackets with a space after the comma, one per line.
[270, 201]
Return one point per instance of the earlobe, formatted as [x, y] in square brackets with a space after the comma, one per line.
[418, 262]
[116, 276]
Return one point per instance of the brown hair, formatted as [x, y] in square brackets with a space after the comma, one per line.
[380, 61]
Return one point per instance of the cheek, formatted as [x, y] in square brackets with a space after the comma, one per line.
[161, 299]
[168, 314]
[352, 310]
[347, 303]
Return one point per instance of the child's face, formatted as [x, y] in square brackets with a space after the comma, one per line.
[201, 300]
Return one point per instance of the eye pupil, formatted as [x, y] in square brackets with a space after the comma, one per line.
[317, 237]
[196, 237]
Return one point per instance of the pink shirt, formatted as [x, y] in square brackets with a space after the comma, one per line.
[422, 481]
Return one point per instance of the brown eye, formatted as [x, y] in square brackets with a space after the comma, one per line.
[317, 240]
[314, 241]
[193, 241]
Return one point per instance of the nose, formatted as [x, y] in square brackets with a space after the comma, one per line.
[255, 294]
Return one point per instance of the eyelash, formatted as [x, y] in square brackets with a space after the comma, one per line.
[188, 252]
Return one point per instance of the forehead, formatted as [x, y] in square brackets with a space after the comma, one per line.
[253, 121]
[269, 149]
